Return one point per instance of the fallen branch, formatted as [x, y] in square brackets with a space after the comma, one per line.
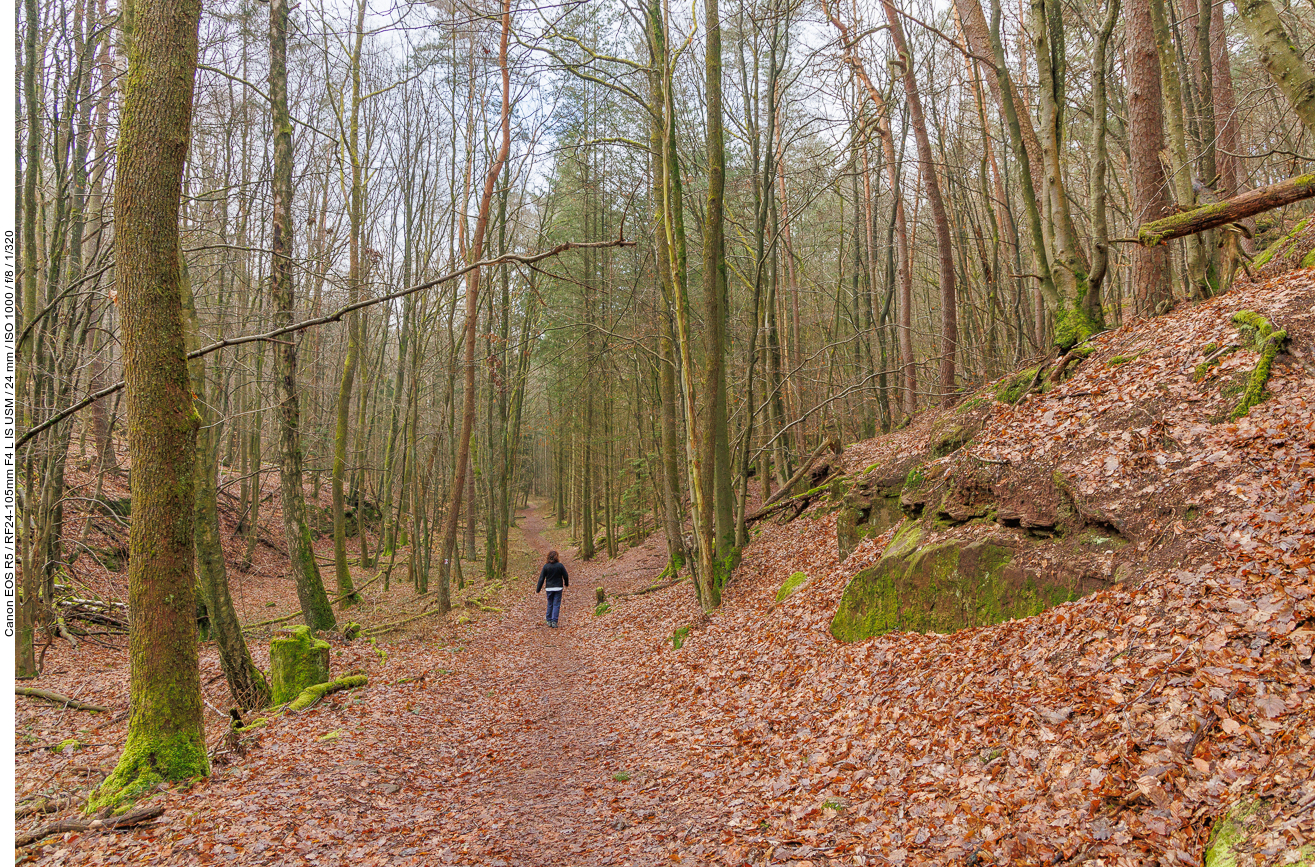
[55, 697]
[311, 695]
[1231, 210]
[799, 474]
[129, 819]
[652, 589]
[45, 805]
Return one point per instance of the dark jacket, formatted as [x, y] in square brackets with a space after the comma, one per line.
[553, 576]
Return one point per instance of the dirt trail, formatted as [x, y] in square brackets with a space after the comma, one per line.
[552, 730]
[501, 742]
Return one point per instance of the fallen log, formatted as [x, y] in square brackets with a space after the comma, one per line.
[1218, 214]
[129, 819]
[55, 697]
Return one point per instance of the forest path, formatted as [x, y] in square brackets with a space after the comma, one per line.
[538, 742]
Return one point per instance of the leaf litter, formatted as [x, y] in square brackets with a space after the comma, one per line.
[1111, 731]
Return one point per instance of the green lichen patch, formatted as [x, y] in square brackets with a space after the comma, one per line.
[1280, 246]
[1241, 837]
[1072, 327]
[791, 584]
[1011, 389]
[295, 663]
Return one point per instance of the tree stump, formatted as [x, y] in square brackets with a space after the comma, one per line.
[601, 595]
[296, 662]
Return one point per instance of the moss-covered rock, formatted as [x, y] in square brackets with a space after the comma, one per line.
[296, 662]
[871, 504]
[942, 587]
[790, 585]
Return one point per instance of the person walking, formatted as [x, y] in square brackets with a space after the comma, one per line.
[553, 580]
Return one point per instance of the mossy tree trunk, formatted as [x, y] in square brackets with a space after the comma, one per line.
[356, 213]
[673, 515]
[1280, 56]
[166, 738]
[310, 588]
[246, 683]
[949, 343]
[449, 543]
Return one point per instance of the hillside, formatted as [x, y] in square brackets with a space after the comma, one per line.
[1173, 688]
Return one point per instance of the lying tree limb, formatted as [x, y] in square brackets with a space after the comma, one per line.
[807, 465]
[652, 589]
[1228, 211]
[58, 699]
[512, 258]
[44, 805]
[127, 820]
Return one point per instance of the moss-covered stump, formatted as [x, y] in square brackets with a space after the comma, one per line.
[296, 662]
[942, 587]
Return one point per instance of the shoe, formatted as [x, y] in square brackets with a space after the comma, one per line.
[553, 624]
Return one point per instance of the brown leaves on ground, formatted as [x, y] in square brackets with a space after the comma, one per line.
[1107, 731]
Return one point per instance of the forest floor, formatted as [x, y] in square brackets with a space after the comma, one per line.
[1114, 730]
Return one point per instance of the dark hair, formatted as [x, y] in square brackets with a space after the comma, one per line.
[552, 557]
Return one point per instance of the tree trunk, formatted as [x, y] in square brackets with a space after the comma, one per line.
[1218, 214]
[1150, 266]
[449, 543]
[717, 558]
[246, 683]
[1280, 57]
[305, 572]
[166, 737]
[944, 250]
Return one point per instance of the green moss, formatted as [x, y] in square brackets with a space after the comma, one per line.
[70, 745]
[1279, 246]
[1119, 359]
[1011, 389]
[793, 583]
[905, 540]
[297, 662]
[972, 404]
[1308, 261]
[1072, 327]
[602, 608]
[678, 637]
[149, 760]
[916, 477]
[943, 587]
[311, 694]
[1268, 342]
[621, 777]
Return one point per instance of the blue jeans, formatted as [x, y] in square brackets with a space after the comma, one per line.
[554, 604]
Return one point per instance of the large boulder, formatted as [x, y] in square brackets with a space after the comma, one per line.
[943, 587]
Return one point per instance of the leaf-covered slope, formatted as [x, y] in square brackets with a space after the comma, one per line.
[1115, 727]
